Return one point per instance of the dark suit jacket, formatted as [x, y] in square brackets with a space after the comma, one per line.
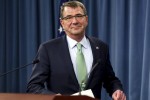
[55, 74]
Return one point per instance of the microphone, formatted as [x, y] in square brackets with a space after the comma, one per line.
[84, 82]
[33, 62]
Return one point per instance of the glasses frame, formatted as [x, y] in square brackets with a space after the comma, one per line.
[69, 18]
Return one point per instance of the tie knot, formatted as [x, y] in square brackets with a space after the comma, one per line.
[79, 46]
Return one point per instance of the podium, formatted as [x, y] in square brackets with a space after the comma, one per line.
[13, 96]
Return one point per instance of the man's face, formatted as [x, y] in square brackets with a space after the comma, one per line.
[74, 25]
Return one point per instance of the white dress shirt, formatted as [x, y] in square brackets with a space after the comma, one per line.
[87, 52]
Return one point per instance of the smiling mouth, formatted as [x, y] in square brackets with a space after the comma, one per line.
[77, 27]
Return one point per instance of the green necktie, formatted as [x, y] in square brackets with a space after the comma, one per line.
[81, 67]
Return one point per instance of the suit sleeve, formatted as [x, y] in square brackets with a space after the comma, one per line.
[40, 73]
[111, 82]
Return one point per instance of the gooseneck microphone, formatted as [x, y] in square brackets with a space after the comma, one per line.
[33, 62]
[84, 82]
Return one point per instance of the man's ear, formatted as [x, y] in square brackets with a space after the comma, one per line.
[61, 22]
[87, 19]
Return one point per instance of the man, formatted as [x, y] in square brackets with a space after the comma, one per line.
[60, 66]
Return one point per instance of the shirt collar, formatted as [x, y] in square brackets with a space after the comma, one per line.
[72, 43]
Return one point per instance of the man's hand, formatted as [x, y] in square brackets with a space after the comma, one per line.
[118, 95]
[58, 94]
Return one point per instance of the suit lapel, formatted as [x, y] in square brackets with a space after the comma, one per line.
[95, 51]
[68, 63]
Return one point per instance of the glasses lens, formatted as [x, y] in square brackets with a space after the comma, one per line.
[70, 18]
[79, 17]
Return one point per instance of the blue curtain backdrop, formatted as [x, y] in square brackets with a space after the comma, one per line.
[123, 24]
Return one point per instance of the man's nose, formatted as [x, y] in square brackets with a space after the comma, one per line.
[74, 20]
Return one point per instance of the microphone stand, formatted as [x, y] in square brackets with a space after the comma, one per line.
[34, 62]
[84, 82]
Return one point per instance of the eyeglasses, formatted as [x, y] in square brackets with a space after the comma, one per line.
[70, 18]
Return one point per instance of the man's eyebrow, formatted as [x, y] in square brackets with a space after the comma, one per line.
[68, 15]
[74, 15]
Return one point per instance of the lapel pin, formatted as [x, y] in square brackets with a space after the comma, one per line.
[97, 47]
